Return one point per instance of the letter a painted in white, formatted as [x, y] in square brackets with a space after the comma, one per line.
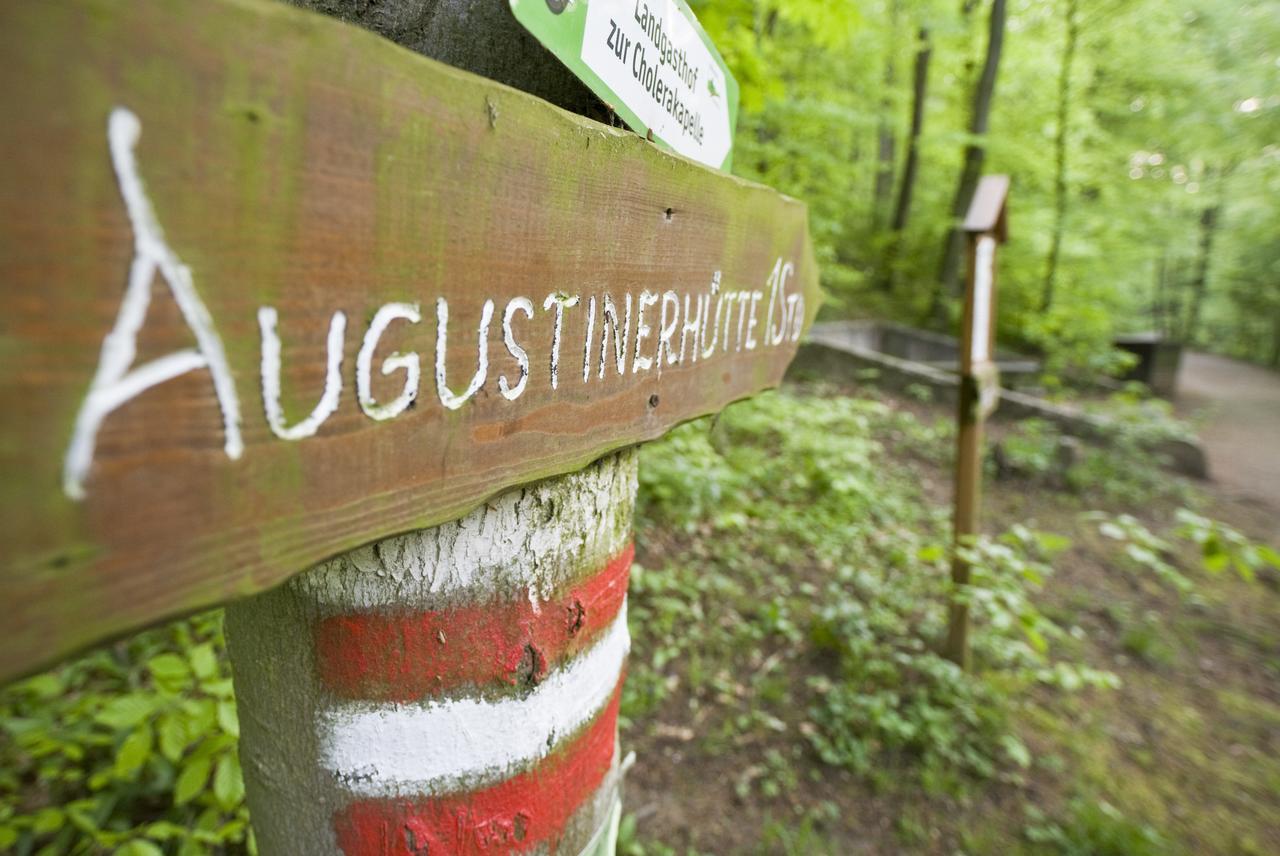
[117, 380]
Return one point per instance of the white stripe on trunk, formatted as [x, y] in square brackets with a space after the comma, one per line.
[530, 541]
[461, 744]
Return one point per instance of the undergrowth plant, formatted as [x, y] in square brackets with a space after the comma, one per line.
[129, 750]
[1219, 548]
[821, 548]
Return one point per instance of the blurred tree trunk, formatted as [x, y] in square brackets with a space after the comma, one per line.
[1199, 285]
[911, 167]
[1275, 340]
[1060, 155]
[887, 155]
[974, 155]
[1160, 304]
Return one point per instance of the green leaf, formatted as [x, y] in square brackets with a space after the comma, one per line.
[932, 553]
[204, 662]
[228, 719]
[1113, 531]
[126, 711]
[1216, 561]
[139, 847]
[1052, 543]
[134, 751]
[170, 672]
[191, 780]
[174, 736]
[164, 830]
[47, 820]
[44, 686]
[1016, 750]
[228, 783]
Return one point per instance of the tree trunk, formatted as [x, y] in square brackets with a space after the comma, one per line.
[1160, 305]
[911, 167]
[1200, 284]
[1060, 156]
[1275, 340]
[480, 36]
[887, 154]
[974, 156]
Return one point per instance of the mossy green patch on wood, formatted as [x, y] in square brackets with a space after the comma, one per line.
[298, 163]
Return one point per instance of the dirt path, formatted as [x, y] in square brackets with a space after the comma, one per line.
[1242, 433]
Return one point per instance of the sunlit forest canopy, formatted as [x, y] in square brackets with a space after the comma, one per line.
[1142, 137]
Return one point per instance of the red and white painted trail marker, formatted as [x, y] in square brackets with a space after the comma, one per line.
[459, 686]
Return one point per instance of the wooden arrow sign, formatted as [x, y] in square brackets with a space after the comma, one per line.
[274, 287]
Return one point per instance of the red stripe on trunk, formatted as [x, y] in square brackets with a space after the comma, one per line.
[405, 657]
[512, 817]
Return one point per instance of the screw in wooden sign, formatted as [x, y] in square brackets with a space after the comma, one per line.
[987, 226]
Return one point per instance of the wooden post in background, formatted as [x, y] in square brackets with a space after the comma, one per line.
[986, 226]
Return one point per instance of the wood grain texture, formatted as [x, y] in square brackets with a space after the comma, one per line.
[297, 163]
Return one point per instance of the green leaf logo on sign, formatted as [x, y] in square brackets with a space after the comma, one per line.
[651, 62]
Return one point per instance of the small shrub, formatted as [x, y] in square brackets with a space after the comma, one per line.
[130, 749]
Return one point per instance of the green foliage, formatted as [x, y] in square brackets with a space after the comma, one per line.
[896, 695]
[1171, 114]
[631, 843]
[130, 749]
[812, 488]
[1220, 548]
[1095, 828]
[1127, 469]
[1143, 549]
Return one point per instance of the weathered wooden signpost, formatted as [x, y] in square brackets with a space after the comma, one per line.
[279, 294]
[987, 227]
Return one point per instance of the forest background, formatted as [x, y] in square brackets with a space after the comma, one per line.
[1142, 138]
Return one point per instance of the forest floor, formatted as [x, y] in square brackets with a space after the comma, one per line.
[1176, 751]
[784, 694]
[1241, 428]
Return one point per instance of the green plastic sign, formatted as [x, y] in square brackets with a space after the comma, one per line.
[651, 62]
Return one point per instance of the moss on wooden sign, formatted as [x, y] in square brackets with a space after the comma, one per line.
[274, 288]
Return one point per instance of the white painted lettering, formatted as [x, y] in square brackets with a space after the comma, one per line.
[742, 298]
[517, 304]
[756, 297]
[586, 343]
[561, 302]
[647, 298]
[410, 362]
[784, 274]
[117, 380]
[667, 329]
[608, 321]
[448, 397]
[328, 404]
[708, 350]
[693, 326]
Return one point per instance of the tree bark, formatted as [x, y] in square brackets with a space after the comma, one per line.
[1275, 340]
[1160, 305]
[1200, 283]
[974, 157]
[887, 149]
[480, 36]
[1060, 155]
[911, 166]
